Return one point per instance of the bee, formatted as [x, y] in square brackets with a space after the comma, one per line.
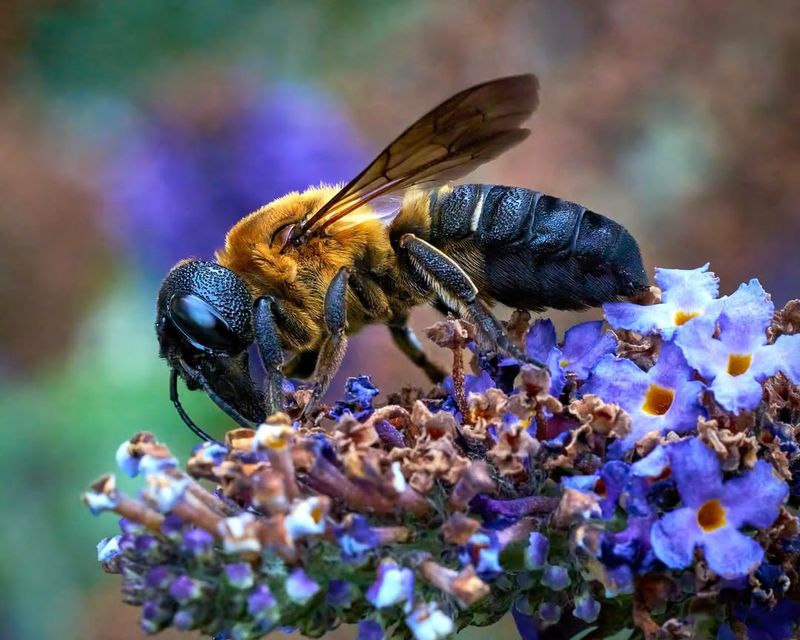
[304, 272]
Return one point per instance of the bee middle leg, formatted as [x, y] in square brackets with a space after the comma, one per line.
[407, 341]
[453, 285]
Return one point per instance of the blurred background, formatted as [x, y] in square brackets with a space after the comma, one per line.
[133, 134]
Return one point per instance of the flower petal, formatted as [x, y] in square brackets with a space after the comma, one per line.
[581, 361]
[783, 355]
[541, 339]
[580, 338]
[675, 536]
[701, 350]
[697, 471]
[688, 289]
[754, 497]
[642, 319]
[731, 554]
[736, 393]
[745, 316]
[617, 380]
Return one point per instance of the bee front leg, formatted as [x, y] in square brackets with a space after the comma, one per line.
[455, 288]
[271, 353]
[335, 344]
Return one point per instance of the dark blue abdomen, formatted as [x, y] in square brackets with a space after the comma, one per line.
[530, 250]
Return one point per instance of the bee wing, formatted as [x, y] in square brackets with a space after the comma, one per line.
[470, 128]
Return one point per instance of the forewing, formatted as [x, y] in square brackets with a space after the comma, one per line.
[460, 134]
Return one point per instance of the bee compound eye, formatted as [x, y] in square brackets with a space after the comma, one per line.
[201, 324]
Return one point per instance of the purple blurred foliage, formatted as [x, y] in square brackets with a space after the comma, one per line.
[181, 180]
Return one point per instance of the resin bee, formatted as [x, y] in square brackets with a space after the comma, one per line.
[308, 269]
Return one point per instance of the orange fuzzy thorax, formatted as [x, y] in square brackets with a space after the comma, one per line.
[300, 276]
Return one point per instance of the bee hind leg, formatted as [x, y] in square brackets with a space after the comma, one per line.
[450, 283]
[271, 353]
[335, 344]
[407, 341]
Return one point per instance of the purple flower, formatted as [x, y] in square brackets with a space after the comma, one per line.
[622, 555]
[686, 294]
[607, 485]
[739, 359]
[428, 622]
[356, 539]
[586, 608]
[197, 543]
[665, 398]
[358, 395]
[260, 601]
[483, 551]
[715, 511]
[555, 577]
[526, 624]
[584, 345]
[108, 549]
[300, 588]
[394, 585]
[340, 593]
[536, 552]
[239, 575]
[370, 630]
[184, 589]
[549, 613]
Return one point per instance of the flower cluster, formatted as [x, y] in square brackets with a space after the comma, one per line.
[648, 479]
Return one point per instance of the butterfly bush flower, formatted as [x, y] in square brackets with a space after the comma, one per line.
[584, 344]
[714, 511]
[685, 295]
[735, 355]
[601, 493]
[665, 398]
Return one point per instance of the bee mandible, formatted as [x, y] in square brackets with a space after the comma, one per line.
[307, 270]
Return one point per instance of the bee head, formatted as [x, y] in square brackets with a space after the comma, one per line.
[203, 309]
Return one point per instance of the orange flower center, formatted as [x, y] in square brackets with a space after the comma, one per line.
[316, 514]
[738, 363]
[682, 317]
[563, 363]
[711, 516]
[657, 400]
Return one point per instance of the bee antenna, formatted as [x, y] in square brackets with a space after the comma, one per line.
[173, 395]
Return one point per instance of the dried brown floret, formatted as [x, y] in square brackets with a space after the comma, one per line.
[458, 528]
[575, 507]
[782, 398]
[517, 325]
[640, 349]
[513, 450]
[604, 418]
[475, 479]
[785, 322]
[451, 333]
[485, 409]
[736, 450]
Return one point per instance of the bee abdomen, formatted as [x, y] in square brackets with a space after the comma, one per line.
[537, 250]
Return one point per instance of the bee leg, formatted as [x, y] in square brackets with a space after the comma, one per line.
[335, 344]
[449, 282]
[407, 341]
[270, 351]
